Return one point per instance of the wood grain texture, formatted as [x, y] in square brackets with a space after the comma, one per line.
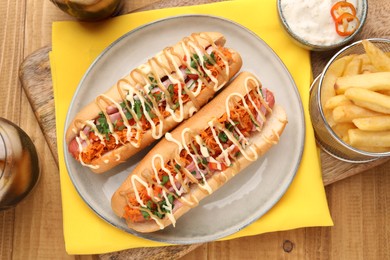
[360, 205]
[11, 55]
[354, 203]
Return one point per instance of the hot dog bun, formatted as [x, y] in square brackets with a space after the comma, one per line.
[259, 143]
[170, 61]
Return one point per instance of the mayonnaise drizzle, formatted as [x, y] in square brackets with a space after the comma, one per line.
[140, 89]
[185, 142]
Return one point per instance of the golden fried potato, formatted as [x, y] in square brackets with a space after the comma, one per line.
[376, 123]
[359, 138]
[336, 101]
[368, 68]
[346, 113]
[353, 67]
[341, 130]
[378, 58]
[335, 70]
[384, 92]
[372, 81]
[369, 99]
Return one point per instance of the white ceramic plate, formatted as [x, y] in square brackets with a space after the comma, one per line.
[249, 194]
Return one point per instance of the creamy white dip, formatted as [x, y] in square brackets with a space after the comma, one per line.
[311, 20]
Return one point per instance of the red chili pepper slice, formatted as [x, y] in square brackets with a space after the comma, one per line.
[342, 24]
[340, 8]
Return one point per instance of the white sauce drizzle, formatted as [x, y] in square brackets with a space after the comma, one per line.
[186, 136]
[190, 46]
[192, 111]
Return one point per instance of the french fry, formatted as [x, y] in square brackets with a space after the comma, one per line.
[385, 92]
[341, 130]
[369, 99]
[373, 107]
[365, 59]
[334, 71]
[336, 101]
[346, 113]
[378, 58]
[359, 138]
[372, 81]
[353, 67]
[368, 68]
[376, 123]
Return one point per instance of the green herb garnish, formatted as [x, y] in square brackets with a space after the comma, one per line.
[102, 125]
[230, 126]
[177, 167]
[163, 203]
[164, 180]
[176, 105]
[171, 90]
[138, 108]
[194, 61]
[145, 214]
[209, 61]
[204, 161]
[157, 96]
[223, 137]
[149, 204]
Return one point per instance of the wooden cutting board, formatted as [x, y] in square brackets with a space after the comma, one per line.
[35, 77]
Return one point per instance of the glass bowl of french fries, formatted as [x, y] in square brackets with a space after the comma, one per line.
[350, 102]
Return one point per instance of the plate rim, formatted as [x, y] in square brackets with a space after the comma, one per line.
[103, 53]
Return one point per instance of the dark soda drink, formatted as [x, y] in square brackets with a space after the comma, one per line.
[19, 164]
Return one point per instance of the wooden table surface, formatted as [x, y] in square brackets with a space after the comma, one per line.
[360, 205]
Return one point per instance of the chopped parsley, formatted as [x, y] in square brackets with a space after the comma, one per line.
[138, 108]
[171, 90]
[209, 61]
[223, 137]
[176, 105]
[195, 61]
[145, 214]
[157, 96]
[102, 125]
[203, 161]
[164, 180]
[229, 126]
[177, 167]
[163, 204]
[127, 113]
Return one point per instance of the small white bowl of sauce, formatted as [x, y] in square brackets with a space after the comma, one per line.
[321, 25]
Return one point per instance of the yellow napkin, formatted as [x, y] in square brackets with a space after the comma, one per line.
[75, 45]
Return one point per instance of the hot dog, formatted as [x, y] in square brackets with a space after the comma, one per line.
[150, 100]
[201, 155]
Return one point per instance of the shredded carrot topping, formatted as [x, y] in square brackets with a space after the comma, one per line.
[243, 122]
[96, 148]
